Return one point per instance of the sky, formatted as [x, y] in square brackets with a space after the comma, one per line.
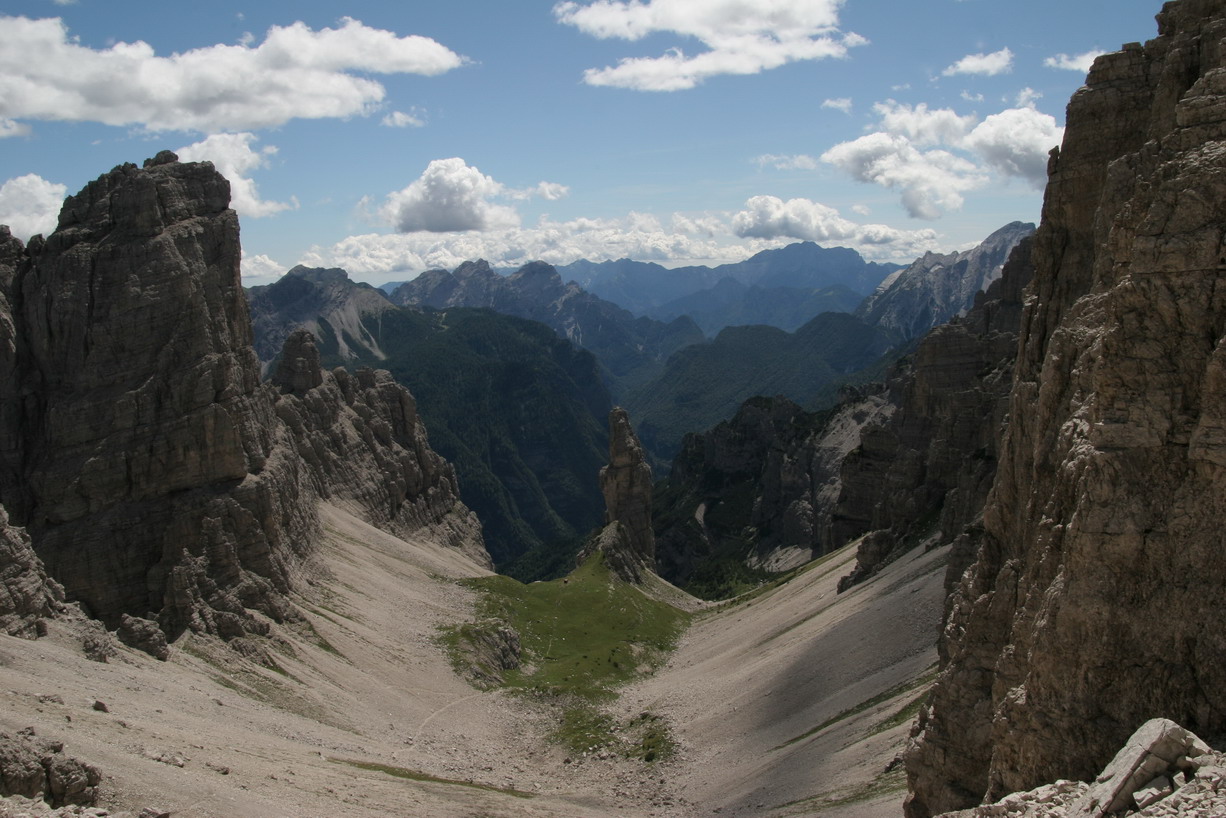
[388, 138]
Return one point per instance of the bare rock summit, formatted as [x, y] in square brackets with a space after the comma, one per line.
[153, 473]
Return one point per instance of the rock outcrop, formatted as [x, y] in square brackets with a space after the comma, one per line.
[38, 769]
[758, 490]
[923, 472]
[627, 539]
[156, 477]
[1163, 770]
[27, 594]
[937, 287]
[1095, 598]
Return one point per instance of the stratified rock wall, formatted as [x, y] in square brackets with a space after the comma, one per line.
[1096, 598]
[155, 475]
[924, 472]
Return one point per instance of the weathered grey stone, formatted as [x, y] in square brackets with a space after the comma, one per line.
[38, 769]
[143, 634]
[1095, 596]
[1154, 749]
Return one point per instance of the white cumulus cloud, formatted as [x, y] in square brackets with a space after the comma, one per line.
[10, 128]
[740, 37]
[1013, 143]
[30, 204]
[1079, 62]
[295, 72]
[799, 161]
[768, 217]
[260, 268]
[998, 62]
[235, 159]
[922, 125]
[840, 104]
[450, 196]
[1016, 142]
[706, 238]
[931, 182]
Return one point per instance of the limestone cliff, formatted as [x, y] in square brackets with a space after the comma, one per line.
[923, 472]
[153, 472]
[1096, 595]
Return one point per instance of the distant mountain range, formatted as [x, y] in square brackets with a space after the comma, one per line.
[730, 303]
[643, 286]
[631, 350]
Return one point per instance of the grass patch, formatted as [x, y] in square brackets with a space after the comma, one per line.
[415, 775]
[906, 714]
[867, 704]
[581, 637]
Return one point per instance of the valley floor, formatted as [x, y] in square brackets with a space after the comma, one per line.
[783, 704]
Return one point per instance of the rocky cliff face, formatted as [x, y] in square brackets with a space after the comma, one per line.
[937, 287]
[1095, 598]
[154, 474]
[757, 491]
[923, 472]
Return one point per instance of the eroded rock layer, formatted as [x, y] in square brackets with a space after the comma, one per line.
[1095, 599]
[155, 475]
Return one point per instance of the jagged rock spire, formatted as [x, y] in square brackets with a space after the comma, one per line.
[299, 369]
[626, 485]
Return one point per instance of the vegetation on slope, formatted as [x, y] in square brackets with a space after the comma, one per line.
[581, 637]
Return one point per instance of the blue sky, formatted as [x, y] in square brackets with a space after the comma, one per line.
[390, 137]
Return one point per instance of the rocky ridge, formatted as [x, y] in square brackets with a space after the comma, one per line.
[923, 472]
[153, 473]
[939, 286]
[1093, 600]
[309, 297]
